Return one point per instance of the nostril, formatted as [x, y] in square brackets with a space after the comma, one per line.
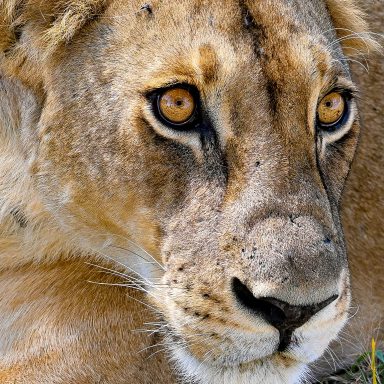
[271, 312]
[280, 314]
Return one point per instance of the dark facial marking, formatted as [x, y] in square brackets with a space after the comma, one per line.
[19, 217]
[214, 159]
[272, 91]
[17, 32]
[146, 8]
[255, 30]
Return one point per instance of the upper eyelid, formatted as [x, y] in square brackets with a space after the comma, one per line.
[350, 93]
[342, 85]
[162, 88]
[168, 84]
[152, 93]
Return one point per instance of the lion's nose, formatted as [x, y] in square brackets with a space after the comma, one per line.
[282, 315]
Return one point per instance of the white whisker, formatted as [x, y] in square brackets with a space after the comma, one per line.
[145, 280]
[139, 247]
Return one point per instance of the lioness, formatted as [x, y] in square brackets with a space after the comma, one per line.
[170, 182]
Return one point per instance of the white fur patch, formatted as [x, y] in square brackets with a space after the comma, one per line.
[265, 371]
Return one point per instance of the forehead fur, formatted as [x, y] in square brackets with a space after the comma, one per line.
[57, 21]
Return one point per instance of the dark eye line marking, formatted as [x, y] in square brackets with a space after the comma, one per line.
[173, 83]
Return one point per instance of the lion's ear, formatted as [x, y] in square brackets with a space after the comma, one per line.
[351, 27]
[30, 30]
[54, 21]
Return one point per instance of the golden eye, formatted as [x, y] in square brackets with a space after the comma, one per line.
[331, 109]
[177, 105]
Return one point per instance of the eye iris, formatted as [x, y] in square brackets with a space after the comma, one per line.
[331, 108]
[177, 105]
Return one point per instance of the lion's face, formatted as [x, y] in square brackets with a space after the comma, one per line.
[240, 204]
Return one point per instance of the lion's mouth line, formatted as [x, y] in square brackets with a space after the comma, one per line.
[286, 357]
[246, 364]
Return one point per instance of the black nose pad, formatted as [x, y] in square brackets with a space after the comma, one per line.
[282, 315]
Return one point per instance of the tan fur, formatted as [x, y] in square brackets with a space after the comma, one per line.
[351, 26]
[89, 176]
[44, 347]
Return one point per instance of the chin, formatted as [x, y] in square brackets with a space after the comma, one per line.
[275, 369]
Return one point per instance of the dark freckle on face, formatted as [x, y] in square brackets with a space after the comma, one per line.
[180, 269]
[327, 240]
[227, 248]
[248, 20]
[257, 164]
[19, 217]
[205, 317]
[206, 295]
[146, 8]
[174, 281]
[186, 309]
[167, 256]
[156, 337]
[197, 314]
